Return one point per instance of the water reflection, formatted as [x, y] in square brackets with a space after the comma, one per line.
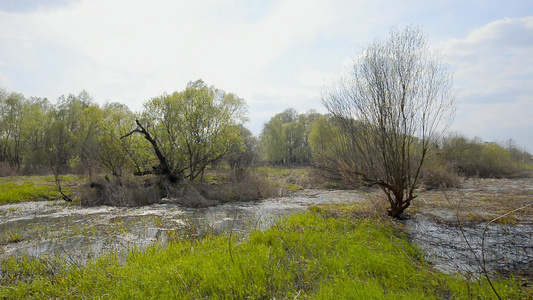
[470, 248]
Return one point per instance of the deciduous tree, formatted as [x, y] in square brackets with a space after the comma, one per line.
[400, 93]
[194, 127]
[242, 155]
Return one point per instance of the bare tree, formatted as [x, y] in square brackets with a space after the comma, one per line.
[392, 104]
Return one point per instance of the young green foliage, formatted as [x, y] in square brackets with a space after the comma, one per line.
[285, 138]
[194, 127]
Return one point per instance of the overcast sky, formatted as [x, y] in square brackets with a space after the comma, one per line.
[274, 54]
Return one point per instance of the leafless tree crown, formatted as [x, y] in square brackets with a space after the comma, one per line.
[392, 103]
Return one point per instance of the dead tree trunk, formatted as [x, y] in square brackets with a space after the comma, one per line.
[163, 168]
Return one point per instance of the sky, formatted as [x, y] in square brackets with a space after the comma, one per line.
[273, 54]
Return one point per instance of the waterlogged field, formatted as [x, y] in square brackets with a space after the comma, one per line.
[342, 248]
[78, 234]
[310, 255]
[486, 226]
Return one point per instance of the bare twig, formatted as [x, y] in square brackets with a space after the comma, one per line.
[479, 261]
[483, 239]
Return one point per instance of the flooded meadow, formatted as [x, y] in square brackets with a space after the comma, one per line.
[455, 228]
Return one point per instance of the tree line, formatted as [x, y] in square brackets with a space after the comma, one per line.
[183, 132]
[77, 135]
[315, 139]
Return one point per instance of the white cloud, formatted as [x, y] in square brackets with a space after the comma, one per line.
[158, 46]
[497, 50]
[494, 78]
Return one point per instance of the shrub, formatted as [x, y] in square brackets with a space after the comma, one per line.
[120, 192]
[437, 174]
[251, 187]
[473, 157]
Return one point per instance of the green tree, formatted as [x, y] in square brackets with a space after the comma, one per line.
[87, 138]
[112, 151]
[36, 130]
[296, 139]
[192, 128]
[285, 138]
[242, 155]
[333, 151]
[12, 109]
[274, 141]
[474, 157]
[74, 133]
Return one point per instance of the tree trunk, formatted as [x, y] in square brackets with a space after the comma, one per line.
[163, 168]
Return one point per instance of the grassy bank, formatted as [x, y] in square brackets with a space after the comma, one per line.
[262, 182]
[34, 188]
[323, 254]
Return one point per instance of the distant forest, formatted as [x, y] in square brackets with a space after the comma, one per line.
[203, 127]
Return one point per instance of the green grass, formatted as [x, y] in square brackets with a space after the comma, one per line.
[33, 188]
[306, 256]
[527, 166]
[12, 238]
[290, 179]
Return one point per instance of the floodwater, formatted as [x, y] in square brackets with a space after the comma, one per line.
[471, 249]
[78, 234]
[56, 228]
[455, 244]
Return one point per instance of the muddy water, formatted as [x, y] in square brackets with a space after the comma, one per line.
[78, 234]
[456, 244]
[472, 248]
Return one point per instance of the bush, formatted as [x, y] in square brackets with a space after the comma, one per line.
[120, 192]
[437, 174]
[440, 178]
[140, 191]
[475, 158]
[248, 188]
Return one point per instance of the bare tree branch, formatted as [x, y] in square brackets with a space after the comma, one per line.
[391, 105]
[163, 168]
